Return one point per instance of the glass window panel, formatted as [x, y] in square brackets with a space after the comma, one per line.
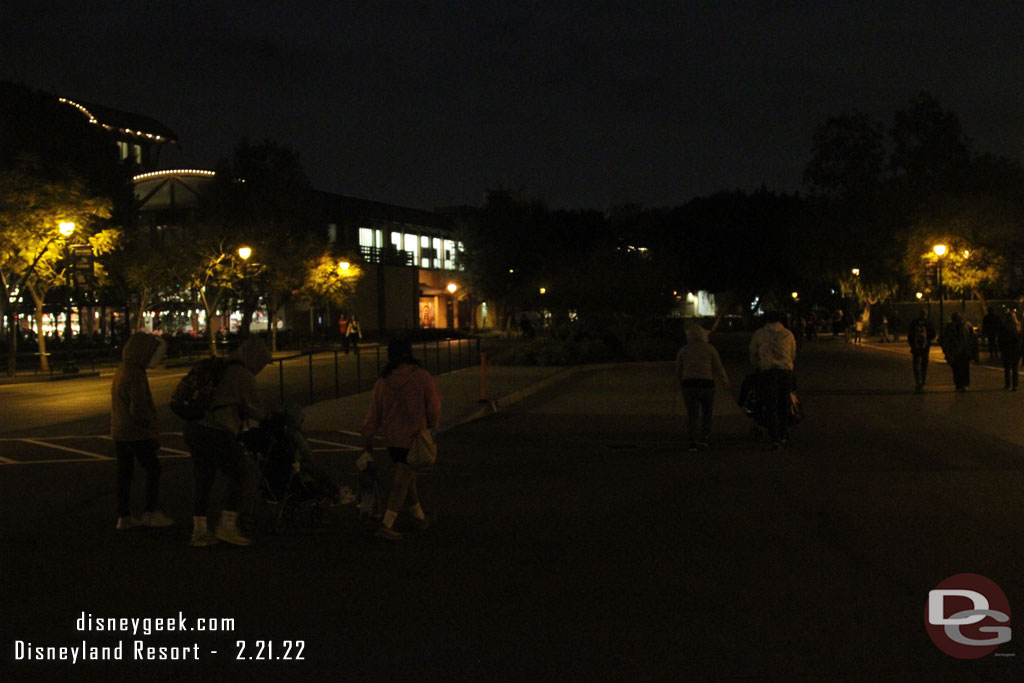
[366, 237]
[412, 246]
[437, 252]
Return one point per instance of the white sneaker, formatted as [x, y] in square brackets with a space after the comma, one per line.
[126, 523]
[202, 538]
[228, 531]
[156, 519]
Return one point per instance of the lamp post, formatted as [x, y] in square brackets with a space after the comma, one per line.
[940, 251]
[66, 230]
[244, 252]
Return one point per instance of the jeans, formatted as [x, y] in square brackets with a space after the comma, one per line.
[127, 453]
[699, 401]
[961, 366]
[777, 384]
[920, 367]
[212, 450]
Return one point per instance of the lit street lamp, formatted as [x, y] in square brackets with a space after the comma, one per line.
[940, 251]
[67, 228]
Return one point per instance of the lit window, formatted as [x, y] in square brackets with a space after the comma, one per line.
[366, 237]
[412, 246]
[449, 255]
[437, 252]
[137, 153]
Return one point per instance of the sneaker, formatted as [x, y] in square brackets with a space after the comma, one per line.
[231, 534]
[425, 523]
[388, 534]
[202, 539]
[126, 523]
[156, 519]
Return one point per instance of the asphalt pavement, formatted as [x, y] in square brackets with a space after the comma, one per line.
[576, 540]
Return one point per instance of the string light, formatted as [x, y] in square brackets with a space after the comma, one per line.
[179, 171]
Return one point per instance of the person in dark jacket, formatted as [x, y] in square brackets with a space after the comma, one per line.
[919, 336]
[960, 346]
[1009, 339]
[991, 325]
[133, 428]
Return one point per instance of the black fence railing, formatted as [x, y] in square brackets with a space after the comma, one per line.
[312, 376]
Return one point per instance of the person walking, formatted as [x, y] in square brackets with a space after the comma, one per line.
[214, 445]
[991, 325]
[697, 365]
[773, 353]
[133, 428]
[353, 335]
[405, 401]
[919, 337]
[343, 323]
[960, 346]
[1009, 339]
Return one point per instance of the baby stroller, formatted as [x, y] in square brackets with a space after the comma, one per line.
[291, 493]
[752, 403]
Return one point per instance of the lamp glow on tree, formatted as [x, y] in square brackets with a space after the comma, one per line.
[66, 228]
[344, 266]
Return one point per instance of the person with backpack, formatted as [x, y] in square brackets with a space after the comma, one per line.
[1009, 339]
[697, 365]
[919, 336]
[353, 334]
[214, 445]
[133, 428]
[960, 346]
[405, 401]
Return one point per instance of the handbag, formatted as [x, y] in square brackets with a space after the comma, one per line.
[423, 450]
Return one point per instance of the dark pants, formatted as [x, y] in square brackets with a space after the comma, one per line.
[1011, 363]
[127, 453]
[212, 450]
[961, 366]
[920, 367]
[777, 386]
[699, 400]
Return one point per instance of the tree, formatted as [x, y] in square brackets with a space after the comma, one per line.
[263, 198]
[330, 281]
[54, 167]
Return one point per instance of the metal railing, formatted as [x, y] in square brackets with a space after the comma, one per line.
[316, 375]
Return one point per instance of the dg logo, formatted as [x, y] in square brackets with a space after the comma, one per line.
[967, 616]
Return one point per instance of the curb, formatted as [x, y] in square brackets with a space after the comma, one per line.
[493, 406]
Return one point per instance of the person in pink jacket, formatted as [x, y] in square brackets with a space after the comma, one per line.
[405, 401]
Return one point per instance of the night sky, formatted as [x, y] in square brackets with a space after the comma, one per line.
[584, 104]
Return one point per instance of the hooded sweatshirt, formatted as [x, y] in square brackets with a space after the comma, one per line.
[132, 412]
[403, 403]
[235, 399]
[698, 361]
[773, 347]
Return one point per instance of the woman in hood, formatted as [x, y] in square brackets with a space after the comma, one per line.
[133, 427]
[405, 401]
[697, 365]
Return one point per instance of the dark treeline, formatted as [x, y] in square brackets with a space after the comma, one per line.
[876, 199]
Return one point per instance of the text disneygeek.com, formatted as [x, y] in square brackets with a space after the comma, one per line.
[137, 649]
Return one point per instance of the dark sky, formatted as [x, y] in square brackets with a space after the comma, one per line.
[583, 103]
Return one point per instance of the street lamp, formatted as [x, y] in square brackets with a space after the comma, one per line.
[855, 271]
[244, 252]
[452, 287]
[67, 228]
[940, 251]
[344, 266]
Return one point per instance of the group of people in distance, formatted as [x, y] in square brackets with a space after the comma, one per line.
[405, 401]
[959, 342]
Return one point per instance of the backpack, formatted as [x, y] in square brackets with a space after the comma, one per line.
[193, 396]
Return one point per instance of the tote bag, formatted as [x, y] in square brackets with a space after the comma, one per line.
[423, 450]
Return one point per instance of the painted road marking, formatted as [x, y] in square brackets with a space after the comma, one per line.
[98, 456]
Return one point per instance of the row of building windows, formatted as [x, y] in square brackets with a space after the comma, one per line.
[424, 250]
